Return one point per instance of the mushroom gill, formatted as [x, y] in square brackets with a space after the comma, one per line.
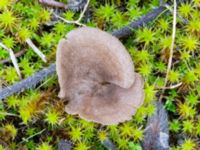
[96, 76]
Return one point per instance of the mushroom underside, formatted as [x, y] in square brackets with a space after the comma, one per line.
[106, 103]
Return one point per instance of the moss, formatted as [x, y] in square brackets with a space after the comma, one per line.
[149, 48]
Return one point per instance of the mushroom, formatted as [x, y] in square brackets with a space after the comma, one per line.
[96, 76]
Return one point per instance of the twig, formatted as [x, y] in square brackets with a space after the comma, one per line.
[75, 21]
[54, 3]
[18, 54]
[30, 82]
[72, 5]
[127, 30]
[12, 57]
[36, 50]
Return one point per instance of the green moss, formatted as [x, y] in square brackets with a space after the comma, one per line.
[149, 48]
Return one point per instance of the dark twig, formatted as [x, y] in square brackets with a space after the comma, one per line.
[53, 3]
[74, 5]
[127, 30]
[18, 54]
[39, 76]
[29, 82]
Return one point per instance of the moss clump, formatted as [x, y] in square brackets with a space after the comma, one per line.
[24, 116]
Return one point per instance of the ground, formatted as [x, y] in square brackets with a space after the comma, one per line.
[35, 119]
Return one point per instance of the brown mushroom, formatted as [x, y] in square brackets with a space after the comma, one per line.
[96, 76]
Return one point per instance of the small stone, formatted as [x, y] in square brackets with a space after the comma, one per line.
[64, 145]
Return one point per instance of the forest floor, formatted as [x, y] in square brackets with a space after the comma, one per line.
[165, 51]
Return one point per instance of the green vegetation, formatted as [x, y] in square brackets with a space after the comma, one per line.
[24, 116]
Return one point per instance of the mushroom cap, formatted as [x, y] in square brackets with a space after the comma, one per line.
[96, 76]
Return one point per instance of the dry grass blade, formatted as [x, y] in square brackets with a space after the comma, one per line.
[171, 48]
[18, 54]
[12, 57]
[172, 44]
[36, 50]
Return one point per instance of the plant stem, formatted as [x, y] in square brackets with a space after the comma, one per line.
[171, 48]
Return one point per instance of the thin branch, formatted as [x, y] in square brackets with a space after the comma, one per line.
[128, 30]
[12, 57]
[53, 3]
[18, 54]
[36, 50]
[29, 82]
[72, 5]
[75, 21]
